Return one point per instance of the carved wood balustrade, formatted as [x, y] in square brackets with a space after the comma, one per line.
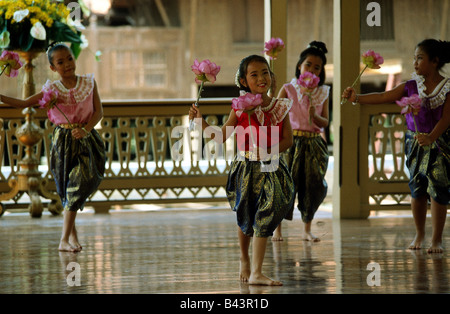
[140, 136]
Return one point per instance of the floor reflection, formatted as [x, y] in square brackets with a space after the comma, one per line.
[197, 252]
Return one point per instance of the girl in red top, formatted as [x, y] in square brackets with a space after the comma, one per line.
[260, 197]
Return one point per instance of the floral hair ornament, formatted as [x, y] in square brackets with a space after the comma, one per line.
[308, 82]
[371, 60]
[10, 63]
[248, 103]
[205, 71]
[411, 105]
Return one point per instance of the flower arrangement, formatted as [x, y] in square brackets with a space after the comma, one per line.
[10, 63]
[371, 60]
[31, 24]
[205, 71]
[248, 103]
[411, 105]
[308, 82]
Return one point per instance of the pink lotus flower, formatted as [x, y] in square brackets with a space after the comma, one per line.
[50, 100]
[205, 71]
[372, 59]
[309, 81]
[11, 63]
[273, 47]
[412, 105]
[246, 102]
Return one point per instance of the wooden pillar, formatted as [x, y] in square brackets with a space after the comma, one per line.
[346, 118]
[275, 25]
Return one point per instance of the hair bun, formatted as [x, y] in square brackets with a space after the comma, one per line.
[445, 51]
[319, 46]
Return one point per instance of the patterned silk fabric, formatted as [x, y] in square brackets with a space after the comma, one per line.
[260, 199]
[78, 166]
[429, 167]
[308, 161]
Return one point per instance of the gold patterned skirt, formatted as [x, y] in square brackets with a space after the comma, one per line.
[259, 197]
[77, 166]
[307, 160]
[429, 167]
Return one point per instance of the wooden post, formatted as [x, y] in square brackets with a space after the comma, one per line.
[275, 25]
[346, 118]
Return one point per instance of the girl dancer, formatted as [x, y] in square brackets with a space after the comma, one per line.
[428, 150]
[308, 157]
[260, 198]
[77, 158]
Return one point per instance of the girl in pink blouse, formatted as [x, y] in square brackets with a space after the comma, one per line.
[77, 158]
[308, 157]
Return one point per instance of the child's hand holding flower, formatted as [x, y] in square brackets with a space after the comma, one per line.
[371, 60]
[411, 105]
[308, 82]
[50, 100]
[205, 71]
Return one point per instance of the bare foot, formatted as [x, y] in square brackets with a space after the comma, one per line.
[416, 244]
[74, 243]
[244, 270]
[308, 236]
[436, 248]
[66, 247]
[73, 239]
[261, 280]
[277, 234]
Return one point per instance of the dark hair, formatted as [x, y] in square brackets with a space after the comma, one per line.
[436, 49]
[53, 47]
[318, 49]
[242, 71]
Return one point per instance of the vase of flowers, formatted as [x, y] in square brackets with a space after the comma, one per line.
[30, 25]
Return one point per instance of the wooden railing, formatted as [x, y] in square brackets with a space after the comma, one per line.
[140, 137]
[383, 176]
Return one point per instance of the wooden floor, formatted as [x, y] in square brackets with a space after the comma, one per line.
[174, 251]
